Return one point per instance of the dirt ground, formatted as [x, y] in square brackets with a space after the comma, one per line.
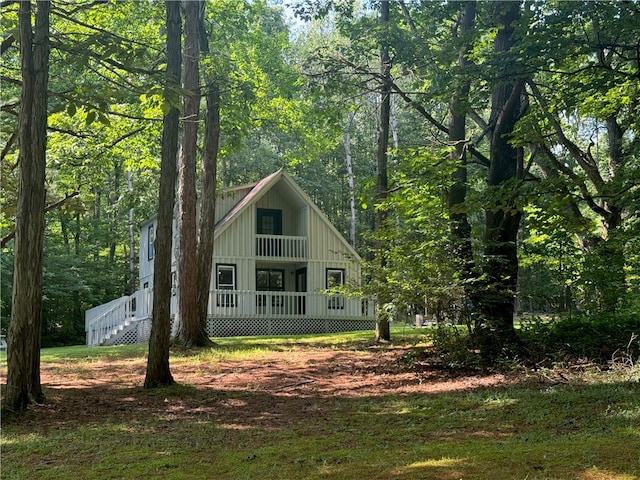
[273, 390]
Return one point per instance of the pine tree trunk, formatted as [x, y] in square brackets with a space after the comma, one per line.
[382, 318]
[24, 335]
[132, 240]
[158, 371]
[192, 332]
[207, 218]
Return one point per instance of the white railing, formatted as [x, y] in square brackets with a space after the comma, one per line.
[106, 321]
[281, 246]
[252, 304]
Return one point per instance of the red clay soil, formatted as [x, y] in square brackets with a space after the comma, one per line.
[240, 392]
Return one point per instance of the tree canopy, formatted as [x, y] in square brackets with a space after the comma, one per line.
[512, 158]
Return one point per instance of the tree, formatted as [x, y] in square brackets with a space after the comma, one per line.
[382, 183]
[458, 111]
[584, 125]
[100, 127]
[158, 370]
[24, 336]
[502, 220]
[192, 331]
[209, 185]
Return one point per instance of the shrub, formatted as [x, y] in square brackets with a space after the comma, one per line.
[599, 339]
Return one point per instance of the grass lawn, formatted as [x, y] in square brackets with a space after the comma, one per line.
[319, 407]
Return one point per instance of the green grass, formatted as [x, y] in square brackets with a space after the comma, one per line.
[582, 426]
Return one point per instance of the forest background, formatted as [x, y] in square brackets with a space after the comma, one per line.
[555, 85]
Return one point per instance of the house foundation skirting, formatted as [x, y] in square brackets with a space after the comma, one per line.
[139, 330]
[229, 327]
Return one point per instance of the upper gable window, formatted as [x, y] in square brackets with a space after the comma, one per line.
[269, 221]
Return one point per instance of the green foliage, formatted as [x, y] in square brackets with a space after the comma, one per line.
[603, 339]
[454, 348]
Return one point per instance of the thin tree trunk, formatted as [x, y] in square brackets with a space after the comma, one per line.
[132, 241]
[350, 176]
[191, 331]
[382, 318]
[158, 371]
[24, 335]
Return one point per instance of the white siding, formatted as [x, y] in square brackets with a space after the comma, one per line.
[236, 243]
[146, 266]
[227, 200]
[293, 213]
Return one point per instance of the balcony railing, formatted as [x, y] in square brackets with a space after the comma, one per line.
[283, 247]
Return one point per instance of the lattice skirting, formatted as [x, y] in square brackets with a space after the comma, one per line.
[227, 327]
[140, 331]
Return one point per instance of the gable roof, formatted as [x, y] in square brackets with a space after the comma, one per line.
[263, 186]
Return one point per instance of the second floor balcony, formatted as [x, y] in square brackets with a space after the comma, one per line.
[282, 247]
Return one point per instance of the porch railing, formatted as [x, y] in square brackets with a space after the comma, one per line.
[109, 319]
[106, 320]
[281, 246]
[249, 304]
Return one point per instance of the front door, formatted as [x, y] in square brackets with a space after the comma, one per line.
[301, 286]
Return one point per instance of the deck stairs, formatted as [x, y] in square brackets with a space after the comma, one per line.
[124, 320]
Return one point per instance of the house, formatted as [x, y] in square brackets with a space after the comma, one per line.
[276, 255]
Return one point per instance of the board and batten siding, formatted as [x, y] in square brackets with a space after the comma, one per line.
[236, 243]
[228, 199]
[237, 240]
[294, 213]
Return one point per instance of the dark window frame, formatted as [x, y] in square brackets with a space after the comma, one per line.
[335, 302]
[226, 300]
[270, 270]
[151, 242]
[274, 213]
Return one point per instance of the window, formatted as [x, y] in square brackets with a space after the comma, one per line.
[335, 278]
[269, 279]
[226, 280]
[151, 240]
[269, 222]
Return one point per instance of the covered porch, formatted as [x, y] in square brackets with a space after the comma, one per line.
[234, 313]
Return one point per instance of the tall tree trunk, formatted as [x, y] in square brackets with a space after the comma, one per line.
[24, 335]
[382, 318]
[208, 213]
[209, 184]
[191, 331]
[458, 221]
[158, 371]
[113, 216]
[352, 190]
[132, 240]
[502, 218]
[607, 258]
